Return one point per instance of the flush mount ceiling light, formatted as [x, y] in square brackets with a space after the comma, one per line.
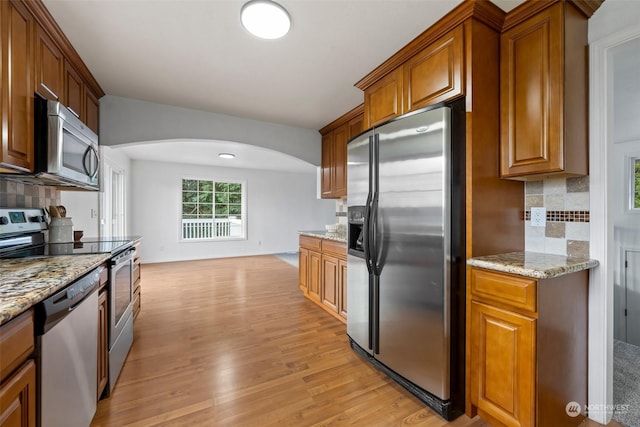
[265, 19]
[226, 155]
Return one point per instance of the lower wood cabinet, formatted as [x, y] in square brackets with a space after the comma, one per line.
[136, 283]
[103, 343]
[526, 348]
[323, 272]
[18, 398]
[18, 372]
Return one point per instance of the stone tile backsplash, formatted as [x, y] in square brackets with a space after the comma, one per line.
[567, 224]
[19, 195]
[341, 212]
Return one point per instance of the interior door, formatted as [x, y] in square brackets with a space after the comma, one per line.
[632, 285]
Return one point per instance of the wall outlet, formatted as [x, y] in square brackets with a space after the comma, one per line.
[538, 217]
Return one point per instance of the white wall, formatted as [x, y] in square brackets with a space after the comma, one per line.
[85, 206]
[279, 204]
[125, 120]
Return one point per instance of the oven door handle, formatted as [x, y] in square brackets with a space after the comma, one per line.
[123, 258]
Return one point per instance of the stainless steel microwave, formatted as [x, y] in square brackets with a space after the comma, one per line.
[66, 150]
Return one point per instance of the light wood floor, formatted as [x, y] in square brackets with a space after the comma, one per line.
[232, 342]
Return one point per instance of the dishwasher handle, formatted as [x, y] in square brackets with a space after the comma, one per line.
[55, 308]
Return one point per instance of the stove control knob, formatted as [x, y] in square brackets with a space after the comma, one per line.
[4, 220]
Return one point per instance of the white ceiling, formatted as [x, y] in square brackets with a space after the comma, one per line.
[195, 53]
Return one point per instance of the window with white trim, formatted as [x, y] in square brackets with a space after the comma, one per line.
[213, 210]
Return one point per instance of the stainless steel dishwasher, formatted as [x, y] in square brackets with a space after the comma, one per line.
[67, 351]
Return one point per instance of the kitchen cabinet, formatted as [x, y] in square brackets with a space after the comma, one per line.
[17, 372]
[91, 110]
[136, 282]
[544, 98]
[74, 96]
[383, 99]
[334, 163]
[322, 273]
[17, 30]
[334, 152]
[435, 74]
[312, 269]
[49, 66]
[103, 333]
[526, 347]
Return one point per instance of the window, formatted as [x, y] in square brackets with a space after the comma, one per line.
[213, 210]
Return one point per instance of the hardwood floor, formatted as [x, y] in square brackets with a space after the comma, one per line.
[232, 342]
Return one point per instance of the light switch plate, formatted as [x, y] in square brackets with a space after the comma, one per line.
[538, 217]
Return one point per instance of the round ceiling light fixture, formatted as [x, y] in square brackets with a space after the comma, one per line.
[226, 156]
[265, 19]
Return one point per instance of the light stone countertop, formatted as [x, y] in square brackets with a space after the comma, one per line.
[25, 282]
[533, 264]
[337, 237]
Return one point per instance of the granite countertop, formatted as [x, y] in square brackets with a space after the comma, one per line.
[323, 234]
[26, 281]
[533, 264]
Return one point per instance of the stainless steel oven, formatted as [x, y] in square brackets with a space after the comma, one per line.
[120, 311]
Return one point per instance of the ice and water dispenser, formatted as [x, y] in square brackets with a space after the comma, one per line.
[355, 230]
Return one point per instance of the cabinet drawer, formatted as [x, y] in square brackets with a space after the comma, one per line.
[313, 243]
[136, 302]
[337, 249]
[136, 273]
[504, 289]
[16, 342]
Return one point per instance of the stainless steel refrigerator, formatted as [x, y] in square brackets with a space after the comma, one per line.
[405, 187]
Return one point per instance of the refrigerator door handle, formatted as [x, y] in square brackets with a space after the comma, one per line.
[365, 236]
[375, 241]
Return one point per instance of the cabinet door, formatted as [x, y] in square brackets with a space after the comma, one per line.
[340, 139]
[435, 74]
[356, 126]
[342, 288]
[17, 30]
[503, 370]
[103, 343]
[383, 99]
[315, 275]
[91, 108]
[74, 91]
[330, 275]
[49, 66]
[531, 95]
[18, 398]
[326, 182]
[303, 269]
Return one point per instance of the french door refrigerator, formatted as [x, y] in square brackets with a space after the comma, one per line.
[405, 267]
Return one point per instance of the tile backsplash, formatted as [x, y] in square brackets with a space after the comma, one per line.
[19, 195]
[341, 212]
[567, 222]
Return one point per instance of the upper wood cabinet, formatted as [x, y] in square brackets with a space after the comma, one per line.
[17, 30]
[37, 60]
[543, 101]
[49, 66]
[335, 137]
[74, 97]
[435, 74]
[383, 99]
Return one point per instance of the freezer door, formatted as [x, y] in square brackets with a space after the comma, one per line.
[358, 297]
[413, 248]
[358, 287]
[358, 170]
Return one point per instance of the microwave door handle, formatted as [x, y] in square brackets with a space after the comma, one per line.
[93, 172]
[97, 162]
